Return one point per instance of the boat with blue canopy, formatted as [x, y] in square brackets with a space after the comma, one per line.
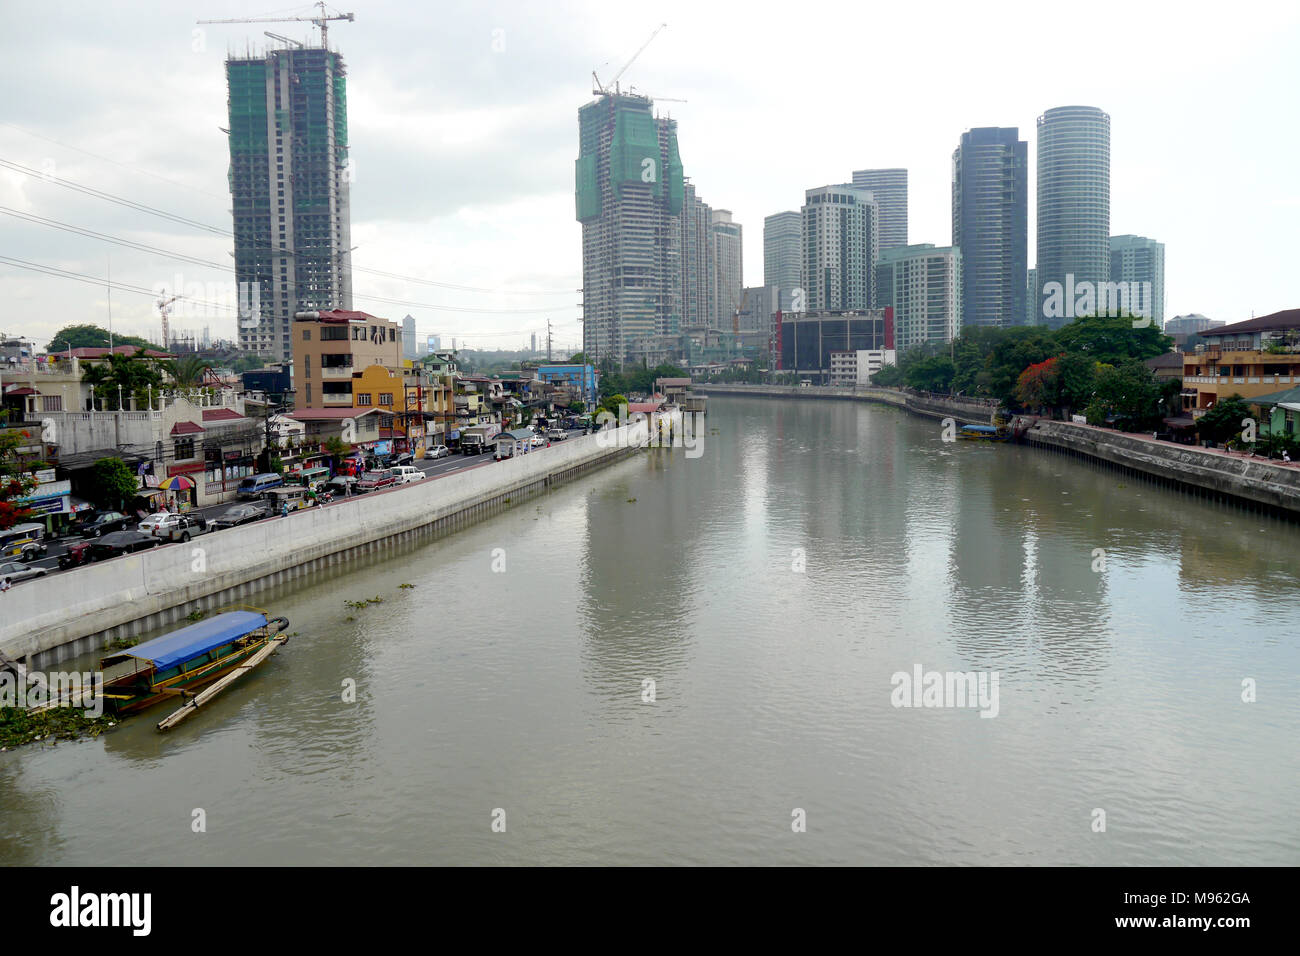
[179, 663]
[984, 433]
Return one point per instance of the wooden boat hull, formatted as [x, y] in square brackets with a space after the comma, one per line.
[169, 689]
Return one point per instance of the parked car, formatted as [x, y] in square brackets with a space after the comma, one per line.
[104, 523]
[407, 474]
[25, 542]
[16, 572]
[557, 434]
[157, 522]
[184, 528]
[538, 441]
[342, 485]
[374, 480]
[436, 451]
[121, 542]
[400, 458]
[78, 553]
[241, 514]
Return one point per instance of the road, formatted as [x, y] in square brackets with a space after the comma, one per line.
[432, 469]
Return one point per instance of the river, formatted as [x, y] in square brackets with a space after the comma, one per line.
[770, 589]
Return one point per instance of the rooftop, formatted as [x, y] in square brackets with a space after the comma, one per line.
[1286, 319]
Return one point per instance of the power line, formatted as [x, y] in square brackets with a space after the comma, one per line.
[266, 247]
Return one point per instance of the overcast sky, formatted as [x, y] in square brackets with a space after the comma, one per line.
[463, 128]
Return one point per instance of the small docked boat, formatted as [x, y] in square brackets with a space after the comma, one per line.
[178, 664]
[984, 433]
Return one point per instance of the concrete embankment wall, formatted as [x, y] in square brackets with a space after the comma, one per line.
[1254, 483]
[964, 412]
[1272, 488]
[49, 619]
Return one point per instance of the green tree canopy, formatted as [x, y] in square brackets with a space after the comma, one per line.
[112, 483]
[1223, 420]
[92, 336]
[1112, 339]
[1129, 391]
[127, 376]
[187, 371]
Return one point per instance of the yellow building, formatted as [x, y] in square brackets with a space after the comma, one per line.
[414, 407]
[1252, 358]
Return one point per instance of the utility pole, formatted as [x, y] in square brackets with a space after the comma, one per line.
[548, 341]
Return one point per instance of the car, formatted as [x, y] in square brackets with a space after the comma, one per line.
[158, 523]
[104, 523]
[538, 441]
[401, 458]
[341, 485]
[16, 572]
[436, 451]
[121, 542]
[241, 514]
[407, 474]
[374, 480]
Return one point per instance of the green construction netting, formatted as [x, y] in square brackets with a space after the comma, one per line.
[588, 189]
[634, 152]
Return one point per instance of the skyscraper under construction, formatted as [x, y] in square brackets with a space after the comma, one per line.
[629, 200]
[289, 188]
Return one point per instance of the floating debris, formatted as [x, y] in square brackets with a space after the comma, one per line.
[19, 726]
[357, 605]
[406, 585]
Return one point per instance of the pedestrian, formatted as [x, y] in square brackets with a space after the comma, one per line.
[284, 510]
[5, 585]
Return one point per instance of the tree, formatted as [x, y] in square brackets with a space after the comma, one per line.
[1039, 385]
[1078, 380]
[932, 374]
[336, 448]
[1129, 391]
[1224, 419]
[578, 358]
[891, 376]
[112, 484]
[92, 336]
[1112, 339]
[16, 479]
[613, 402]
[124, 376]
[577, 407]
[187, 371]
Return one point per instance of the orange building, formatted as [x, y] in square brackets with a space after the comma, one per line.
[330, 347]
[1252, 358]
[413, 405]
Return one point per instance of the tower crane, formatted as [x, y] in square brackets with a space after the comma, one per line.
[602, 90]
[164, 307]
[322, 21]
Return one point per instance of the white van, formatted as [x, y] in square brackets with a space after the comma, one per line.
[406, 474]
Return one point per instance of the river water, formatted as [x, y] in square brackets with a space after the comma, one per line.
[771, 589]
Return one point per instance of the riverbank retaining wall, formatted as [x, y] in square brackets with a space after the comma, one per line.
[52, 618]
[1252, 482]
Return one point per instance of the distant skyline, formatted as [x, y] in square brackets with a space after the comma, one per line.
[463, 128]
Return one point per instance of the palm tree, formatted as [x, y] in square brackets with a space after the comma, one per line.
[187, 371]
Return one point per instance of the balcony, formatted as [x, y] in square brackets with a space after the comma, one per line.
[336, 372]
[336, 399]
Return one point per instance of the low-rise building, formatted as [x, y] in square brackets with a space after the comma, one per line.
[1251, 358]
[856, 367]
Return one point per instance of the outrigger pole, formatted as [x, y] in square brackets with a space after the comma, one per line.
[201, 698]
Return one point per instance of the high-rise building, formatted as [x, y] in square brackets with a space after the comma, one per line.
[1139, 263]
[289, 189]
[1191, 324]
[409, 349]
[923, 285]
[1073, 207]
[889, 188]
[434, 343]
[727, 257]
[698, 283]
[1033, 308]
[782, 246]
[841, 234]
[629, 199]
[990, 224]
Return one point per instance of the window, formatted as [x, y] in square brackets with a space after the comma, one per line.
[306, 364]
[309, 394]
[306, 335]
[335, 334]
[386, 398]
[51, 403]
[363, 398]
[183, 448]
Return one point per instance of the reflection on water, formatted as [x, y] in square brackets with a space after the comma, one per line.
[769, 589]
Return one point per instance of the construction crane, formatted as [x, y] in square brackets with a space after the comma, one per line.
[322, 21]
[601, 90]
[275, 36]
[164, 307]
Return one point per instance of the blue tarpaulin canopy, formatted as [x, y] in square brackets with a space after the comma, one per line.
[171, 649]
